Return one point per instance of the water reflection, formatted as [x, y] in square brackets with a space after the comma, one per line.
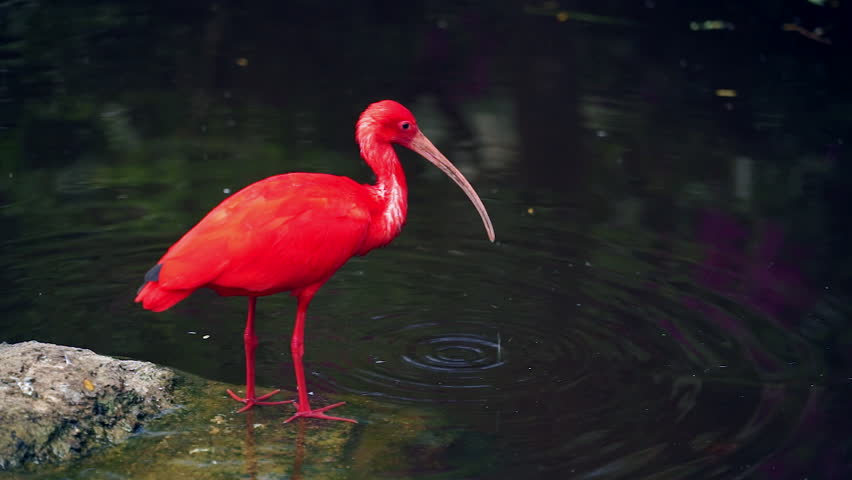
[250, 457]
[249, 451]
[629, 352]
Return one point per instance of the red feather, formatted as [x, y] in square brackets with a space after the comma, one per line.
[276, 235]
[292, 232]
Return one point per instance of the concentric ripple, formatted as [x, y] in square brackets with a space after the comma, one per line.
[430, 363]
[458, 354]
[632, 347]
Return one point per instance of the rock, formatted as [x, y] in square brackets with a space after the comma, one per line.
[57, 402]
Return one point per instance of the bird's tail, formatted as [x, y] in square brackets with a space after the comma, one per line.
[156, 298]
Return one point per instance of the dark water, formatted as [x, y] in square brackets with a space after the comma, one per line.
[669, 293]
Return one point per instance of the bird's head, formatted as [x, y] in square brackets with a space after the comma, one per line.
[388, 122]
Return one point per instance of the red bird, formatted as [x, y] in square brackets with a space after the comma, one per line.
[291, 232]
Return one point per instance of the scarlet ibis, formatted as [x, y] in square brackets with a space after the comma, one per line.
[291, 232]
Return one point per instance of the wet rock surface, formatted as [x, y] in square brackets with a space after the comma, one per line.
[58, 403]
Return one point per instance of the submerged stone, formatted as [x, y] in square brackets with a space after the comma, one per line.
[59, 403]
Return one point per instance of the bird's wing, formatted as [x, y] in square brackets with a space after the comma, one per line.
[281, 233]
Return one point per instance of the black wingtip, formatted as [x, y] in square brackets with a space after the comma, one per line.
[153, 275]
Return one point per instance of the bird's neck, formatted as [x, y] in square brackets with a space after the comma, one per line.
[390, 192]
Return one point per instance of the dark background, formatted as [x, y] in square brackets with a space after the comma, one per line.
[669, 294]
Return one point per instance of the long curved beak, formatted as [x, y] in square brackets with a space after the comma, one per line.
[424, 147]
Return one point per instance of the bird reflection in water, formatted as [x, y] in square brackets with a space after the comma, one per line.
[250, 450]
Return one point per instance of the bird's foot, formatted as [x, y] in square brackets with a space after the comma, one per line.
[250, 402]
[318, 413]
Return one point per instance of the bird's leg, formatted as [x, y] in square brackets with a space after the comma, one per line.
[297, 347]
[250, 341]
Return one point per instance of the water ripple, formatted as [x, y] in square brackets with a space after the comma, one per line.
[631, 343]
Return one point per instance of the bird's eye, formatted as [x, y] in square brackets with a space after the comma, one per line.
[405, 125]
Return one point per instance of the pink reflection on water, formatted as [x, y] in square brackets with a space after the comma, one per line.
[755, 266]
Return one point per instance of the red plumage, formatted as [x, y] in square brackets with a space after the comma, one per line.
[291, 232]
[276, 235]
